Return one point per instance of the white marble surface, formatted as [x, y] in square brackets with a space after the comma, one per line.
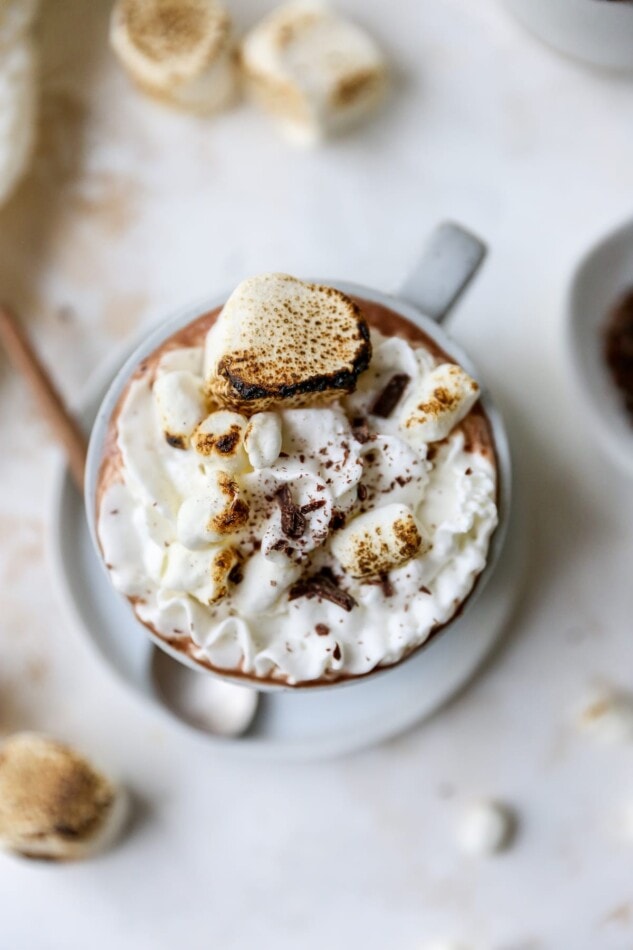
[130, 210]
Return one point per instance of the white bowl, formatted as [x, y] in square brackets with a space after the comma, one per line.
[597, 31]
[601, 277]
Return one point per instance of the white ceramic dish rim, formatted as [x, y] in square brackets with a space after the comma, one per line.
[186, 315]
[593, 382]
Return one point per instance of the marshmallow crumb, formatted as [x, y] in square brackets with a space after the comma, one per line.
[609, 717]
[54, 804]
[485, 827]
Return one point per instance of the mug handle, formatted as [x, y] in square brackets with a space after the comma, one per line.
[450, 259]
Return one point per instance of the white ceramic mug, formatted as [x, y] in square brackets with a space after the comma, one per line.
[451, 258]
[598, 31]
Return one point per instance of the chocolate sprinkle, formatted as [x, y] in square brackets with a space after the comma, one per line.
[313, 506]
[293, 524]
[322, 629]
[337, 520]
[322, 585]
[387, 400]
[361, 492]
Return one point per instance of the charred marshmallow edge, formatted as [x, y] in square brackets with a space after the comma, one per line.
[314, 71]
[441, 399]
[378, 541]
[187, 60]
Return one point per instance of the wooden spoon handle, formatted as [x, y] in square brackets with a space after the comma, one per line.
[51, 404]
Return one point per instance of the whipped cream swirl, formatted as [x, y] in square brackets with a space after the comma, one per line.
[253, 543]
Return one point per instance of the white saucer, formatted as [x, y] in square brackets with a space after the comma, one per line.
[291, 726]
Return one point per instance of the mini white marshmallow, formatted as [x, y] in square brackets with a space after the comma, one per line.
[213, 513]
[262, 439]
[314, 71]
[181, 404]
[203, 574]
[182, 53]
[182, 358]
[485, 827]
[378, 541]
[219, 439]
[438, 403]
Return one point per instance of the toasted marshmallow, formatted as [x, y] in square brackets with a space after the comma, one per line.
[16, 18]
[485, 827]
[280, 342]
[18, 108]
[213, 513]
[181, 51]
[203, 574]
[181, 404]
[54, 804]
[440, 400]
[262, 439]
[220, 439]
[378, 541]
[316, 72]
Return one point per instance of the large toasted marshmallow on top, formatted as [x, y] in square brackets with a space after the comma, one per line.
[18, 112]
[280, 343]
[181, 404]
[203, 574]
[181, 51]
[440, 400]
[213, 513]
[316, 72]
[54, 804]
[378, 541]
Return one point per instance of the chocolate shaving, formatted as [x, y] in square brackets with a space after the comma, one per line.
[387, 400]
[322, 585]
[322, 629]
[361, 492]
[337, 652]
[360, 430]
[384, 583]
[293, 524]
[313, 506]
